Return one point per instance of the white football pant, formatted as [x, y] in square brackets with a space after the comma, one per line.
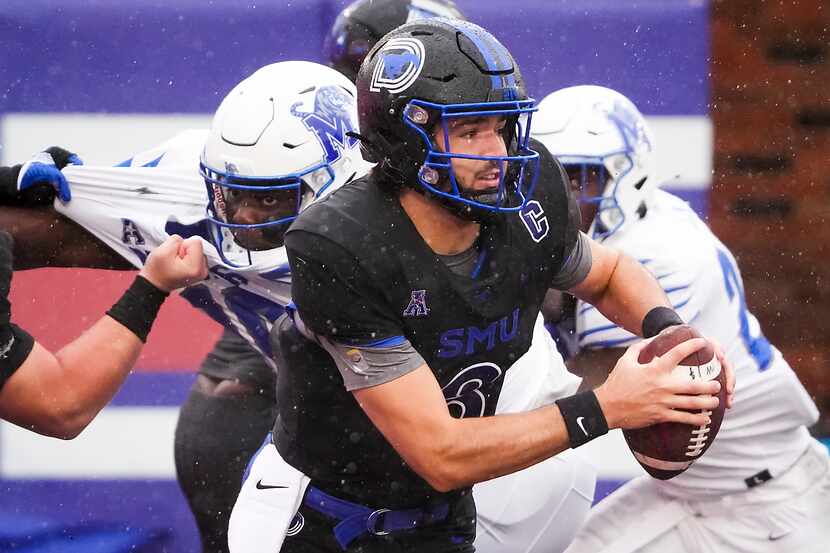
[536, 510]
[790, 514]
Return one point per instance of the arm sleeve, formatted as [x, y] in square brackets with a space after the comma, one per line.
[365, 366]
[576, 266]
[15, 346]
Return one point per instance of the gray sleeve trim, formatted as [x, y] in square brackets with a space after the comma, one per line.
[364, 367]
[576, 267]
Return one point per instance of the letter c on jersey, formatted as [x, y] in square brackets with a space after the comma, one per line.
[535, 220]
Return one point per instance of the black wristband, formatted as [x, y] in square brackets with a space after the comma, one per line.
[583, 416]
[138, 307]
[658, 319]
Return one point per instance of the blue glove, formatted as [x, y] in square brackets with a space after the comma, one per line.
[45, 168]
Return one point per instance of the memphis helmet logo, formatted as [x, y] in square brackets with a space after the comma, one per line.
[330, 121]
[630, 128]
[399, 62]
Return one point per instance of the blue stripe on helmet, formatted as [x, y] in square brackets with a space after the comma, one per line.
[463, 27]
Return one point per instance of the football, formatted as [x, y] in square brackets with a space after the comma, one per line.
[667, 449]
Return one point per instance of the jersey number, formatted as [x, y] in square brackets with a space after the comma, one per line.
[463, 393]
[252, 312]
[755, 343]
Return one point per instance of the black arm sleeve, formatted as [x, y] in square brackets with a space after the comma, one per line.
[15, 346]
[15, 343]
[334, 297]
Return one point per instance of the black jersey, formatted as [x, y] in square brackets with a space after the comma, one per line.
[362, 275]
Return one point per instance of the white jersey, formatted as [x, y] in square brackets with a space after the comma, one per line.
[137, 205]
[765, 428]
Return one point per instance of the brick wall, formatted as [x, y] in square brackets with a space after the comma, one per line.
[771, 188]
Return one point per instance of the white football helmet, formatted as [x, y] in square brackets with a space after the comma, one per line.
[279, 140]
[592, 129]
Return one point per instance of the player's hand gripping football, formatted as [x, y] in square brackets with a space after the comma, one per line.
[637, 394]
[176, 263]
[44, 171]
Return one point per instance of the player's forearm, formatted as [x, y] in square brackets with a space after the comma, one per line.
[451, 453]
[44, 238]
[33, 246]
[91, 370]
[59, 394]
[479, 449]
[628, 295]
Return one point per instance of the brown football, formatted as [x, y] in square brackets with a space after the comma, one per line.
[667, 449]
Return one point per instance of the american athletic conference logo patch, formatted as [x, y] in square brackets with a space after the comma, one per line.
[417, 304]
[399, 63]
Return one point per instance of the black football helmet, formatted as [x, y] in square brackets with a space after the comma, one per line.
[418, 78]
[362, 23]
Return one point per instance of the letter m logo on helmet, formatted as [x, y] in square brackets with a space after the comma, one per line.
[398, 65]
[330, 121]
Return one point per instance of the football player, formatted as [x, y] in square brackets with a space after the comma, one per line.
[362, 23]
[416, 288]
[278, 141]
[224, 417]
[59, 394]
[540, 508]
[764, 484]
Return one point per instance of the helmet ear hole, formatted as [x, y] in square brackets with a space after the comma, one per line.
[306, 195]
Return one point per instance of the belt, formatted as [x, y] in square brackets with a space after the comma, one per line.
[357, 520]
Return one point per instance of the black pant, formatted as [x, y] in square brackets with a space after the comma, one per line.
[218, 432]
[215, 439]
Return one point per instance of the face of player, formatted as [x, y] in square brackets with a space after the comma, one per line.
[250, 207]
[480, 136]
[587, 182]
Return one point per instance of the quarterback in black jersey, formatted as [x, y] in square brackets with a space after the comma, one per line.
[416, 289]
